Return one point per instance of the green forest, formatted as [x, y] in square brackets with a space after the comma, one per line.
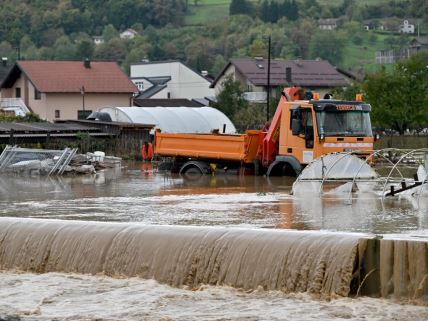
[202, 33]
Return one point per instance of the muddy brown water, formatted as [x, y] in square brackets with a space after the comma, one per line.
[248, 246]
[132, 194]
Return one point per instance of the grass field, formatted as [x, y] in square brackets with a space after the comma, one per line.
[209, 10]
[363, 55]
[206, 11]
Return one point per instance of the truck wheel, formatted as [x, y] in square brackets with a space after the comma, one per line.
[281, 169]
[192, 172]
[194, 169]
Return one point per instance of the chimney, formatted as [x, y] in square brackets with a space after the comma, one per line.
[288, 75]
[4, 61]
[87, 63]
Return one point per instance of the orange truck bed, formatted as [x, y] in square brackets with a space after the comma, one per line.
[242, 148]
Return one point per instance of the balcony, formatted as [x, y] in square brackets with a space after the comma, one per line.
[14, 105]
[255, 96]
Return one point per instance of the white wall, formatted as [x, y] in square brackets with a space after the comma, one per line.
[184, 83]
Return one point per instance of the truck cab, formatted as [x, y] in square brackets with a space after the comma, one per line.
[311, 128]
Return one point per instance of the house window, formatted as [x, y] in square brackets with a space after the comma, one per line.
[18, 92]
[37, 94]
[83, 114]
[57, 113]
[140, 85]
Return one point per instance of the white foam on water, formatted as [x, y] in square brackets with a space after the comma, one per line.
[60, 296]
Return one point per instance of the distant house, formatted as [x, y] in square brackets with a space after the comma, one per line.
[128, 34]
[169, 79]
[406, 27]
[98, 40]
[369, 25]
[315, 75]
[418, 44]
[328, 24]
[391, 56]
[67, 89]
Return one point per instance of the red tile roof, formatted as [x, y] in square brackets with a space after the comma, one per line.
[70, 76]
[305, 73]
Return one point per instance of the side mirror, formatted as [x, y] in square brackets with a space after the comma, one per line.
[296, 126]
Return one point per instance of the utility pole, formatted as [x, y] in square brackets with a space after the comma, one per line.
[18, 52]
[82, 92]
[268, 82]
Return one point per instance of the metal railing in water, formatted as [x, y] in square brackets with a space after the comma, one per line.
[15, 159]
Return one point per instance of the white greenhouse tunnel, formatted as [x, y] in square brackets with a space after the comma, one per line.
[174, 119]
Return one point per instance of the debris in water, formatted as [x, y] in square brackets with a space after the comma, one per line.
[18, 160]
[346, 173]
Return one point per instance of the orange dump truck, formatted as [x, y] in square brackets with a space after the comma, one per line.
[300, 131]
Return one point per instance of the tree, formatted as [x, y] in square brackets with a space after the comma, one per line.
[110, 32]
[218, 65]
[114, 50]
[328, 45]
[258, 48]
[399, 96]
[264, 11]
[250, 117]
[230, 99]
[85, 49]
[240, 7]
[64, 49]
[302, 34]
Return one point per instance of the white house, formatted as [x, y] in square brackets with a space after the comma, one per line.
[406, 27]
[98, 40]
[169, 79]
[128, 34]
[328, 24]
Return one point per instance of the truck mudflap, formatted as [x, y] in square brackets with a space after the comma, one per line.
[284, 165]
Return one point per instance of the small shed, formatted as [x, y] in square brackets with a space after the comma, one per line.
[174, 119]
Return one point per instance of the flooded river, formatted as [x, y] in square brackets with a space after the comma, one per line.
[132, 195]
[135, 196]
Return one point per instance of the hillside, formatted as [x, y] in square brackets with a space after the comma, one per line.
[202, 33]
[212, 10]
[357, 53]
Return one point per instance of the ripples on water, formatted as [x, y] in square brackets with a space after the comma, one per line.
[130, 195]
[57, 296]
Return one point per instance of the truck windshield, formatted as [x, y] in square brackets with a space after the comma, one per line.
[344, 123]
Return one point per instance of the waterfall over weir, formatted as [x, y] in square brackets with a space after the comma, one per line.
[291, 261]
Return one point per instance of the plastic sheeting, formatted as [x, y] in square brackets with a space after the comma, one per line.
[174, 119]
[338, 166]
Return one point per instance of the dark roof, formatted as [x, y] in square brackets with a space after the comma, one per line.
[155, 102]
[70, 76]
[4, 71]
[162, 80]
[151, 91]
[305, 73]
[44, 127]
[420, 40]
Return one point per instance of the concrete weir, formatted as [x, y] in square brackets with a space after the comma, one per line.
[321, 263]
